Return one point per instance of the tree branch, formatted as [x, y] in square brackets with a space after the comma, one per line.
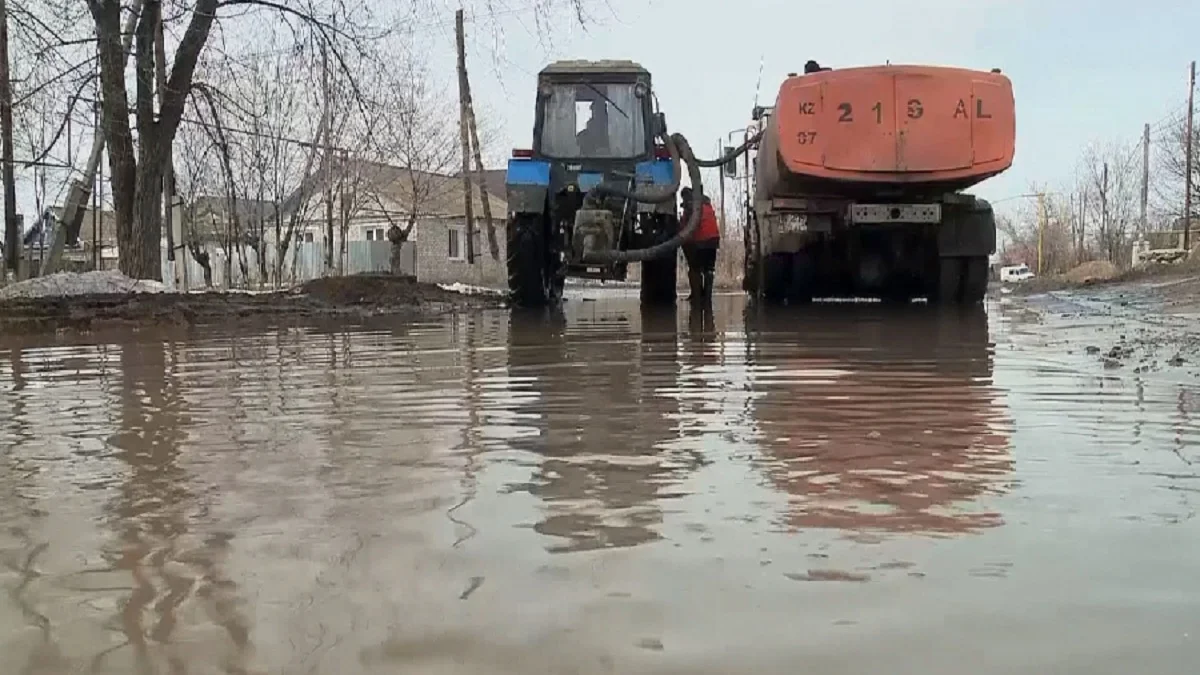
[184, 69]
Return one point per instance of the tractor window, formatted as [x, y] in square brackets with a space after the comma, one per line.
[601, 120]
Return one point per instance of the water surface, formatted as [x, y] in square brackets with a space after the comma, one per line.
[844, 489]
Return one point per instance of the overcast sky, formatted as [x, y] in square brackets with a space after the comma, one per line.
[1082, 70]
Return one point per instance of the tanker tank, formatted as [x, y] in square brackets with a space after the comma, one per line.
[858, 179]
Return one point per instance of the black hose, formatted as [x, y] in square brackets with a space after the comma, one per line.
[681, 151]
[671, 245]
[731, 155]
[656, 195]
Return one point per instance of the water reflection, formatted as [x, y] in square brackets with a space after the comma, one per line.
[879, 418]
[170, 562]
[595, 383]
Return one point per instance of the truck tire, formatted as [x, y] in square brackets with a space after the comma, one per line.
[532, 281]
[777, 277]
[975, 280]
[961, 281]
[803, 284]
[659, 276]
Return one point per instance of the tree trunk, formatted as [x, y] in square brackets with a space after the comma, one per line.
[143, 259]
[137, 183]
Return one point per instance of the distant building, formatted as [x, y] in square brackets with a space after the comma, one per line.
[369, 197]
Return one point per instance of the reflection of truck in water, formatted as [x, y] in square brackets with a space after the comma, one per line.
[858, 180]
[879, 420]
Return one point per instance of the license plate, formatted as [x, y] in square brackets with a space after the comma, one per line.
[793, 223]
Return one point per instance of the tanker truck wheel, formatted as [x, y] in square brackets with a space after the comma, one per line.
[777, 277]
[659, 276]
[961, 280]
[533, 280]
[803, 284]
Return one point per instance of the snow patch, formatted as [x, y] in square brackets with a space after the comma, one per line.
[464, 289]
[68, 284]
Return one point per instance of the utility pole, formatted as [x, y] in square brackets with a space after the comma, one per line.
[327, 125]
[1187, 191]
[1104, 211]
[721, 177]
[178, 269]
[1083, 198]
[493, 245]
[12, 235]
[464, 135]
[97, 200]
[1041, 197]
[1145, 175]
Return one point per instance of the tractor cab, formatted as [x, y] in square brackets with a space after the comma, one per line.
[596, 113]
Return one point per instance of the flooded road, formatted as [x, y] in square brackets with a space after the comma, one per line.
[845, 489]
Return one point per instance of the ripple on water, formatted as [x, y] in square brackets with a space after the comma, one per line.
[632, 484]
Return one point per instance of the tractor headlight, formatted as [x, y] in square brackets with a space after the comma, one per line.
[640, 90]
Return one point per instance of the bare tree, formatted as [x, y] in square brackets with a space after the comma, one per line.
[1112, 193]
[1170, 170]
[65, 40]
[193, 179]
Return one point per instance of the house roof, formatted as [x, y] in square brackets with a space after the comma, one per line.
[394, 189]
[107, 223]
[247, 209]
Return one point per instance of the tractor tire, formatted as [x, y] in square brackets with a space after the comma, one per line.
[961, 281]
[533, 281]
[659, 276]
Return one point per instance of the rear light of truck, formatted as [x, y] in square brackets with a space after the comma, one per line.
[661, 152]
[522, 153]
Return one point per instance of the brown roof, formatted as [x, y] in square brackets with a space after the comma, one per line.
[439, 194]
[107, 223]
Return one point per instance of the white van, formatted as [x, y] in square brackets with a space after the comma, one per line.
[1015, 274]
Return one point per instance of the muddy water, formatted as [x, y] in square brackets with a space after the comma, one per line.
[842, 490]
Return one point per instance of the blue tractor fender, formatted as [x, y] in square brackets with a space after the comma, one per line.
[526, 184]
[655, 172]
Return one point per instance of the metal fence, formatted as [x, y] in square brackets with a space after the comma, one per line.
[304, 262]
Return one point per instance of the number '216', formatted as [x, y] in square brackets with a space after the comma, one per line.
[914, 110]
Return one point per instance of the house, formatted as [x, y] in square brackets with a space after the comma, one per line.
[369, 197]
[97, 231]
[206, 220]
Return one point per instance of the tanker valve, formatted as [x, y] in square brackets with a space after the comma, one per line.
[594, 232]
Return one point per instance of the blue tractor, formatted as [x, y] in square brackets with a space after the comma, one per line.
[595, 191]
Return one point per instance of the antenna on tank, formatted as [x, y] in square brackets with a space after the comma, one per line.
[758, 85]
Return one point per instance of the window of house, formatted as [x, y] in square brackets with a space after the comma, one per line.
[454, 244]
[375, 234]
[308, 237]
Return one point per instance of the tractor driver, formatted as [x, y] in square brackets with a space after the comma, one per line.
[593, 140]
[701, 249]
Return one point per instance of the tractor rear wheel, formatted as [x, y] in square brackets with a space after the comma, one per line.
[659, 275]
[533, 277]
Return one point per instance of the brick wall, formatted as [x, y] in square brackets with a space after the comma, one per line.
[435, 263]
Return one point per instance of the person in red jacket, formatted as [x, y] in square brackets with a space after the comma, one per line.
[701, 249]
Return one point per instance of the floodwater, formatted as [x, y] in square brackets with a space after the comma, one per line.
[845, 489]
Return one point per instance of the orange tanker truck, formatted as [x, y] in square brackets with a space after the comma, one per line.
[857, 187]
